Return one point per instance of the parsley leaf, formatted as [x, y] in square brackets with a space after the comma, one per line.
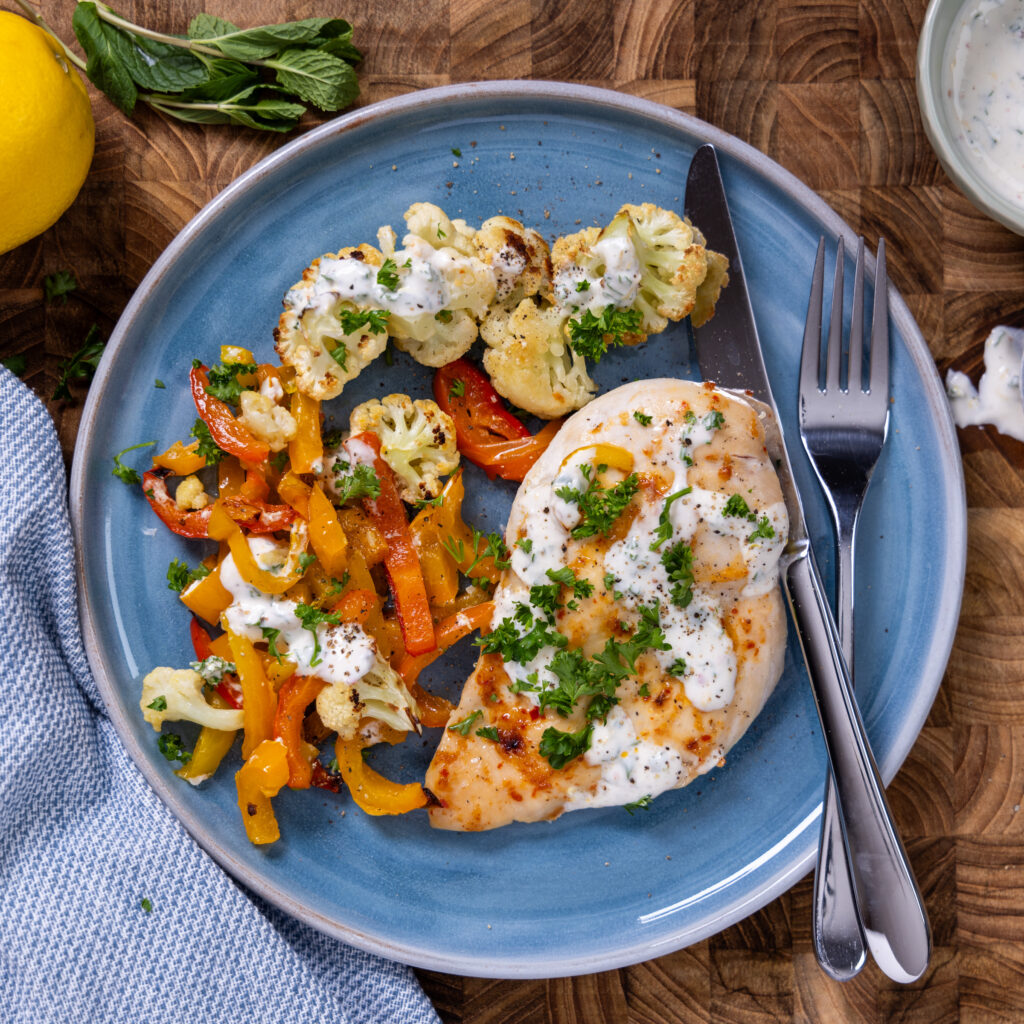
[599, 507]
[147, 904]
[507, 641]
[82, 365]
[158, 704]
[567, 578]
[639, 805]
[736, 506]
[270, 635]
[583, 286]
[489, 732]
[373, 320]
[562, 747]
[457, 388]
[58, 286]
[171, 747]
[642, 418]
[310, 618]
[387, 276]
[663, 531]
[678, 562]
[306, 559]
[179, 575]
[463, 727]
[714, 420]
[590, 336]
[361, 482]
[444, 317]
[339, 354]
[764, 529]
[677, 668]
[124, 473]
[525, 544]
[207, 447]
[224, 381]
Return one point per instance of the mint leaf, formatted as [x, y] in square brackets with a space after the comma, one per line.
[108, 54]
[316, 77]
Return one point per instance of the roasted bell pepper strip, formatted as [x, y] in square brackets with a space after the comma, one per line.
[261, 777]
[256, 517]
[433, 528]
[230, 476]
[401, 562]
[372, 792]
[612, 455]
[237, 354]
[228, 686]
[223, 527]
[210, 749]
[512, 460]
[478, 411]
[325, 533]
[207, 598]
[255, 487]
[180, 459]
[227, 431]
[357, 606]
[258, 700]
[308, 448]
[295, 492]
[295, 695]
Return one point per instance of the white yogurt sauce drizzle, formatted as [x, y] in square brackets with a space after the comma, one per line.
[618, 286]
[997, 399]
[983, 82]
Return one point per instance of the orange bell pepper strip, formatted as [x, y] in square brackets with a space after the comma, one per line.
[223, 527]
[261, 777]
[308, 446]
[296, 694]
[325, 533]
[295, 492]
[405, 578]
[230, 476]
[180, 459]
[357, 606]
[512, 460]
[227, 431]
[258, 700]
[206, 597]
[255, 487]
[371, 792]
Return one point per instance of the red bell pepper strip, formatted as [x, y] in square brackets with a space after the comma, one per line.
[297, 693]
[228, 433]
[485, 431]
[228, 687]
[254, 516]
[405, 577]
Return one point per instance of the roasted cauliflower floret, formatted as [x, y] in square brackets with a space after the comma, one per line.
[190, 494]
[531, 363]
[417, 440]
[380, 695]
[310, 335]
[710, 288]
[176, 695]
[433, 225]
[267, 420]
[518, 256]
[436, 339]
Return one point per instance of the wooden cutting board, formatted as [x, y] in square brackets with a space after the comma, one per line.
[826, 87]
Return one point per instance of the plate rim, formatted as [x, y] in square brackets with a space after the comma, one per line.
[955, 551]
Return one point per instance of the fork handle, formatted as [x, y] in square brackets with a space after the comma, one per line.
[892, 913]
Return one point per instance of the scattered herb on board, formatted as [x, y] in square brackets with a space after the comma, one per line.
[59, 285]
[82, 365]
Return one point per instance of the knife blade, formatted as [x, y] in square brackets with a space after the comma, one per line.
[729, 353]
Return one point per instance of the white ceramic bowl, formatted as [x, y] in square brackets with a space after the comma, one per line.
[939, 124]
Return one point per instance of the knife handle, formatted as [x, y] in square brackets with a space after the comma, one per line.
[891, 909]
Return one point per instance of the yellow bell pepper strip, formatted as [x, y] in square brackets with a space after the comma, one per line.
[180, 459]
[373, 793]
[600, 455]
[210, 749]
[223, 527]
[431, 529]
[206, 597]
[255, 488]
[402, 564]
[308, 447]
[325, 533]
[227, 431]
[295, 696]
[230, 476]
[295, 492]
[258, 700]
[363, 536]
[261, 777]
[237, 354]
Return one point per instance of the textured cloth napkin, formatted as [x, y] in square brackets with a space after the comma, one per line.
[83, 839]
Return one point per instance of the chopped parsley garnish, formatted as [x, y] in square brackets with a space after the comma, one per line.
[271, 635]
[444, 317]
[440, 232]
[158, 383]
[306, 559]
[567, 578]
[332, 438]
[387, 276]
[493, 547]
[764, 529]
[562, 747]
[179, 575]
[456, 151]
[207, 447]
[591, 336]
[82, 365]
[339, 354]
[506, 640]
[213, 669]
[373, 320]
[170, 746]
[59, 285]
[639, 805]
[583, 286]
[457, 388]
[361, 482]
[642, 418]
[663, 531]
[678, 562]
[124, 473]
[17, 364]
[599, 507]
[545, 597]
[431, 502]
[158, 704]
[463, 727]
[644, 691]
[311, 618]
[147, 904]
[525, 544]
[337, 586]
[489, 732]
[609, 581]
[714, 420]
[224, 382]
[677, 668]
[736, 506]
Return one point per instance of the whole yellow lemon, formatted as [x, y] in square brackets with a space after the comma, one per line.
[46, 131]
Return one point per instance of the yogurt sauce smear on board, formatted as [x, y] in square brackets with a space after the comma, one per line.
[983, 82]
[997, 399]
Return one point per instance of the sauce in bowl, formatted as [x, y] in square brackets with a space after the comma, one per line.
[983, 86]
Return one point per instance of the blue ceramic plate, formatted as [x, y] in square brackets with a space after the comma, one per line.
[595, 889]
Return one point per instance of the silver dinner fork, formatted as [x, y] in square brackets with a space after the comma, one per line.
[843, 424]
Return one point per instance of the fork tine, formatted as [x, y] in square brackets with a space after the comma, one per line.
[835, 327]
[854, 378]
[810, 359]
[878, 382]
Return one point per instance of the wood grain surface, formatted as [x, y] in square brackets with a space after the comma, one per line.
[826, 88]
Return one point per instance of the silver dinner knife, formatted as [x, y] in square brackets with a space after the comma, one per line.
[892, 913]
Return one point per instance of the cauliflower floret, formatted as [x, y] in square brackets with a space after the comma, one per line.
[435, 342]
[518, 256]
[178, 694]
[432, 224]
[309, 335]
[417, 440]
[710, 288]
[531, 363]
[267, 420]
[190, 494]
[379, 695]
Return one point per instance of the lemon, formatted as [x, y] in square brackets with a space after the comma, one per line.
[46, 131]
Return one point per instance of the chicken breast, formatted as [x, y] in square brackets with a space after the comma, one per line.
[639, 629]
